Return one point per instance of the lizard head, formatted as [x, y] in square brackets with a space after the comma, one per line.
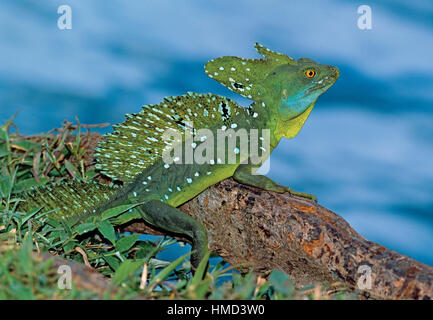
[295, 88]
[277, 81]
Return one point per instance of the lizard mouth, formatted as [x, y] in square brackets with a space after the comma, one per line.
[325, 82]
[318, 87]
[328, 80]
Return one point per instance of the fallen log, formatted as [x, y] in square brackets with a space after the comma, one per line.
[267, 231]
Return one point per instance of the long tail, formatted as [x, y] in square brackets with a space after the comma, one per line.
[67, 200]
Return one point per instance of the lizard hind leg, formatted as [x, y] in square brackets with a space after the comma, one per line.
[172, 220]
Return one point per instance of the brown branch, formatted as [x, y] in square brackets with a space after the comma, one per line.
[83, 277]
[309, 242]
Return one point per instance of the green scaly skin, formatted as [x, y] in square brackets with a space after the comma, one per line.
[284, 95]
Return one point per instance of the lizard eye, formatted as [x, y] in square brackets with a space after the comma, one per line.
[310, 73]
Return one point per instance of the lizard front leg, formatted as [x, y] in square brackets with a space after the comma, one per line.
[244, 174]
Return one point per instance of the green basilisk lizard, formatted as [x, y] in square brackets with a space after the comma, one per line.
[284, 92]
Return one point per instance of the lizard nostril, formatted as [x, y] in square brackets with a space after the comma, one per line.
[336, 71]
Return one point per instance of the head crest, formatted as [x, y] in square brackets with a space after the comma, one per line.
[242, 75]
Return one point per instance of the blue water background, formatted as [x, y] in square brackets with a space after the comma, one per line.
[366, 151]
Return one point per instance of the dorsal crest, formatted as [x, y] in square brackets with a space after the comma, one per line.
[138, 143]
[243, 75]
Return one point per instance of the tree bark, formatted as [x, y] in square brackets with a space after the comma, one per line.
[312, 244]
[267, 231]
[83, 277]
